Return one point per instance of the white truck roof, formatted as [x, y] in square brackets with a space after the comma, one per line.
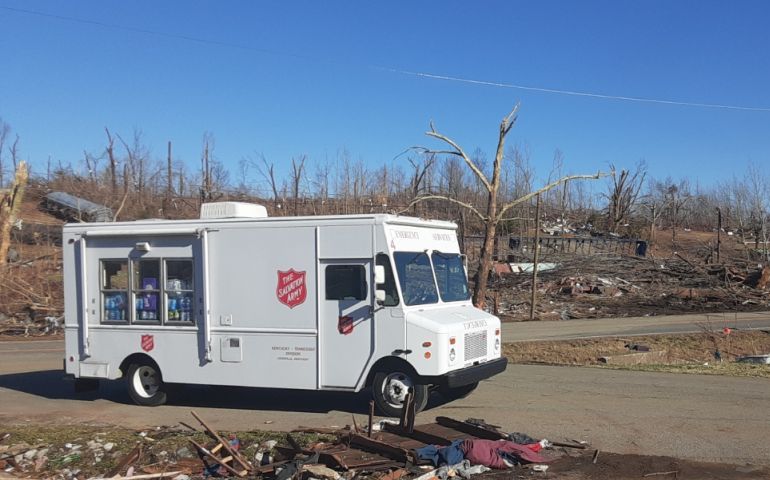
[166, 226]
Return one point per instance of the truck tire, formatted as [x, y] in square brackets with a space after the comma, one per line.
[389, 390]
[457, 393]
[145, 384]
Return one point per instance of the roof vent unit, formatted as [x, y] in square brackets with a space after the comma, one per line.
[232, 210]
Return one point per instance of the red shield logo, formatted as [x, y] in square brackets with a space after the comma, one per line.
[345, 325]
[148, 342]
[291, 289]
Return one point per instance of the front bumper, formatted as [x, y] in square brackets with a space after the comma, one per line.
[467, 375]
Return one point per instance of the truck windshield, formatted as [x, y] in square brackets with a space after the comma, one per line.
[415, 276]
[450, 275]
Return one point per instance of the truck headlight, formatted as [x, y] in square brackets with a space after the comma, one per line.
[497, 344]
[452, 355]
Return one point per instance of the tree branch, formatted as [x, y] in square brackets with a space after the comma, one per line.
[545, 188]
[445, 198]
[509, 121]
[459, 152]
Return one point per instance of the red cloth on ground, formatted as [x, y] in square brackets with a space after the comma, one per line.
[485, 452]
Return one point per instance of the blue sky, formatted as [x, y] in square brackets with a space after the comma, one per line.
[292, 78]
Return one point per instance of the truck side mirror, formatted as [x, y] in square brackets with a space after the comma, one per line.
[464, 258]
[379, 274]
[379, 295]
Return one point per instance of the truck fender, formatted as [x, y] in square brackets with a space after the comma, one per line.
[389, 364]
[135, 358]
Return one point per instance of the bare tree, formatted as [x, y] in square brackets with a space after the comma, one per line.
[297, 169]
[208, 146]
[758, 189]
[110, 150]
[92, 166]
[419, 170]
[267, 171]
[5, 130]
[320, 184]
[14, 151]
[494, 213]
[671, 198]
[623, 192]
[10, 203]
[244, 167]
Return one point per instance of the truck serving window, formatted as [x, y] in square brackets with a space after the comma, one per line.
[146, 287]
[147, 291]
[415, 276]
[391, 293]
[450, 276]
[115, 307]
[179, 291]
[346, 282]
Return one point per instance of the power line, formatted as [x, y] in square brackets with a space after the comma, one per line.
[427, 75]
[576, 93]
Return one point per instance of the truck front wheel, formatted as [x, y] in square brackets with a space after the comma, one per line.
[389, 391]
[145, 384]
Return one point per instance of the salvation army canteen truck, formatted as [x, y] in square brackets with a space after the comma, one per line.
[308, 303]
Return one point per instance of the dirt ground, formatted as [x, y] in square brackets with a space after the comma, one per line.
[611, 466]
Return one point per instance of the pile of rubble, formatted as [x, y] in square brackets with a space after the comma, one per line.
[624, 285]
[385, 450]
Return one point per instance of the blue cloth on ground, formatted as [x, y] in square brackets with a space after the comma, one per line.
[438, 456]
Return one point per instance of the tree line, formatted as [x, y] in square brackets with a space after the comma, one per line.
[136, 182]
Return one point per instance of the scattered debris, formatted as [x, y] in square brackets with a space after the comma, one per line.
[76, 209]
[758, 359]
[600, 286]
[644, 357]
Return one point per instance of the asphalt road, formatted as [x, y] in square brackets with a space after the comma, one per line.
[632, 326]
[710, 418]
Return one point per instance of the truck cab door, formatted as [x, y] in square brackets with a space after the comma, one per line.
[346, 340]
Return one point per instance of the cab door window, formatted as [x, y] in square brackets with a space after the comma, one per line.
[345, 282]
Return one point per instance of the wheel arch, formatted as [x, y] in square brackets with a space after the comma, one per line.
[138, 358]
[390, 364]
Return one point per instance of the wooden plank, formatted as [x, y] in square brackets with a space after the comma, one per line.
[223, 442]
[269, 468]
[426, 438]
[401, 441]
[130, 457]
[151, 475]
[441, 431]
[217, 460]
[470, 429]
[382, 448]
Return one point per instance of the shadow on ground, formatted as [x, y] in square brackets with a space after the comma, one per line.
[52, 385]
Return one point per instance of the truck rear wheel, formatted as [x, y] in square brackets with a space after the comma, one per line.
[145, 384]
[389, 390]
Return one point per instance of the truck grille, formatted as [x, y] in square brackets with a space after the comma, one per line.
[475, 345]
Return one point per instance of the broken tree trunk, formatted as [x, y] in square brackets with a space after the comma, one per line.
[10, 203]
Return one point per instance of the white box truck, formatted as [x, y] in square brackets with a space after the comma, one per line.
[311, 303]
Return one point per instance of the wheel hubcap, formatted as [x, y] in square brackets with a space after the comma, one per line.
[146, 381]
[395, 388]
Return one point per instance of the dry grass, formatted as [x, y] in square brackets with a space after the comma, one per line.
[685, 353]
